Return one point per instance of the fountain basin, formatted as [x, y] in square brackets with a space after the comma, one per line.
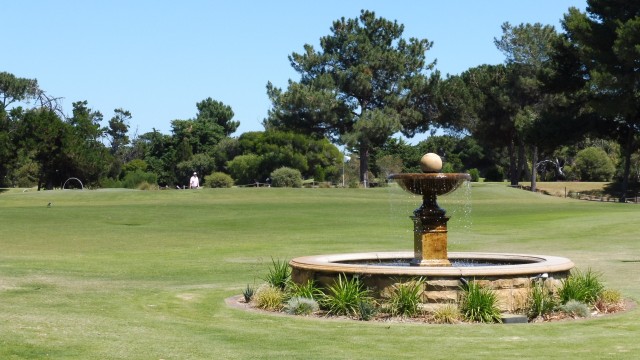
[430, 183]
[510, 276]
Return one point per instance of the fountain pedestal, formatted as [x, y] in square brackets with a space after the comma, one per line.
[430, 241]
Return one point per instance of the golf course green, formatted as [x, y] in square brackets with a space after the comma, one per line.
[127, 274]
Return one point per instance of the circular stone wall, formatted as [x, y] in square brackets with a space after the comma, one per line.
[510, 281]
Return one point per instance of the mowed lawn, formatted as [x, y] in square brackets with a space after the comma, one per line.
[117, 274]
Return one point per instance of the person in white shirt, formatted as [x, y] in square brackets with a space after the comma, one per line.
[194, 183]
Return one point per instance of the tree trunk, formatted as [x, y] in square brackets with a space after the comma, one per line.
[512, 164]
[521, 161]
[364, 165]
[627, 166]
[534, 172]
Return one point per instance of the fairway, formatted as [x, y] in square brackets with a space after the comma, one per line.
[125, 274]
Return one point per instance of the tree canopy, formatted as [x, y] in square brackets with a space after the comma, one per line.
[365, 84]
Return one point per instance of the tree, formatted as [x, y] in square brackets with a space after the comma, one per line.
[218, 113]
[44, 133]
[316, 158]
[12, 90]
[528, 49]
[118, 129]
[605, 41]
[366, 84]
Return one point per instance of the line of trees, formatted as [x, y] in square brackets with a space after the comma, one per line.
[561, 106]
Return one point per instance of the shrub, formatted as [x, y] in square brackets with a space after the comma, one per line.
[268, 297]
[585, 287]
[307, 290]
[344, 296]
[286, 177]
[593, 164]
[146, 186]
[541, 301]
[133, 179]
[218, 180]
[494, 173]
[244, 169]
[279, 274]
[405, 297]
[575, 308]
[301, 306]
[366, 309]
[447, 314]
[475, 175]
[479, 304]
[609, 301]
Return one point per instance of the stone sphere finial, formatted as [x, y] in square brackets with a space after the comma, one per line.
[431, 163]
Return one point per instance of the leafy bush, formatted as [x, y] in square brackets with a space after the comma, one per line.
[286, 177]
[344, 296]
[307, 290]
[576, 308]
[593, 164]
[146, 186]
[479, 304]
[218, 180]
[268, 297]
[585, 287]
[475, 175]
[301, 306]
[133, 179]
[279, 274]
[244, 169]
[405, 297]
[447, 314]
[541, 301]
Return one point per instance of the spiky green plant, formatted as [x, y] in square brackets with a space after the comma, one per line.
[541, 301]
[581, 286]
[344, 296]
[479, 304]
[247, 293]
[405, 297]
[308, 290]
[279, 274]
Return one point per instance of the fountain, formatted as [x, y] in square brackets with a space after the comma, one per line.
[509, 275]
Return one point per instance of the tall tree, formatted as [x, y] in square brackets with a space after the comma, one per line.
[606, 41]
[528, 49]
[210, 110]
[365, 84]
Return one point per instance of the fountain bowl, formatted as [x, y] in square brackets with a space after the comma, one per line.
[430, 183]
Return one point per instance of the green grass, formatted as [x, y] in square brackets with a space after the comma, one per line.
[144, 274]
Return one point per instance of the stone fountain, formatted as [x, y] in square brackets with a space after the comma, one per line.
[509, 275]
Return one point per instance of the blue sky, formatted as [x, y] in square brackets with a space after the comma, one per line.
[157, 59]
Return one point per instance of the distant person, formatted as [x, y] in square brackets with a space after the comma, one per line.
[194, 183]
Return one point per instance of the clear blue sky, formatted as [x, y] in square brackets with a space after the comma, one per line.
[158, 58]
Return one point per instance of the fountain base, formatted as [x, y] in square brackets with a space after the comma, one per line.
[509, 275]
